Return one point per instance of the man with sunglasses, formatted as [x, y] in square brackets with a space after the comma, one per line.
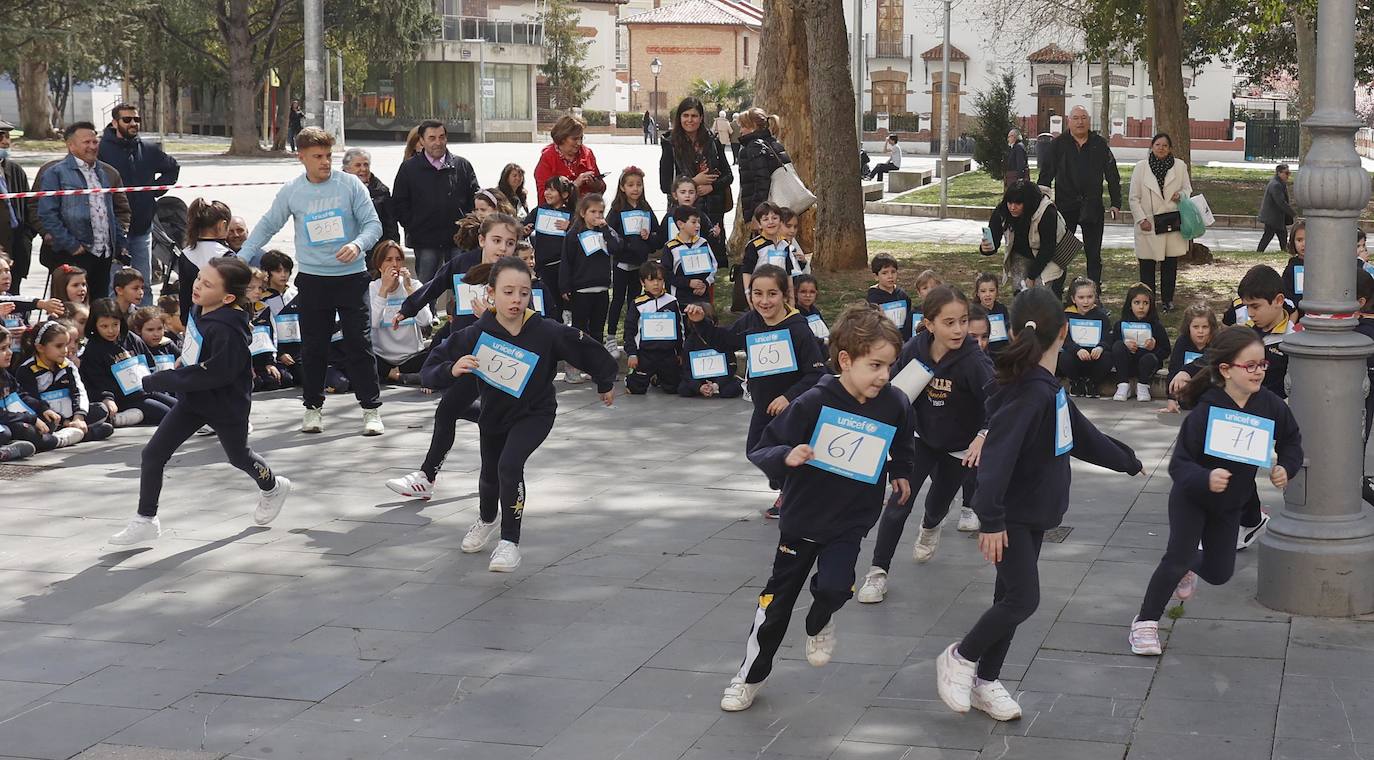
[138, 163]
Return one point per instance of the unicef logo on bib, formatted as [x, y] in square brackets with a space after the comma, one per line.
[770, 353]
[851, 445]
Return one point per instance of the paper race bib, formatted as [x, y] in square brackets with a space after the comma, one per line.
[129, 374]
[503, 365]
[770, 353]
[14, 323]
[537, 301]
[672, 227]
[1086, 333]
[464, 294]
[324, 226]
[1136, 331]
[1299, 277]
[164, 361]
[59, 401]
[288, 328]
[592, 242]
[818, 326]
[658, 325]
[262, 341]
[190, 345]
[707, 364]
[1239, 437]
[895, 311]
[698, 261]
[851, 445]
[634, 222]
[913, 379]
[997, 328]
[1191, 356]
[16, 405]
[1063, 424]
[547, 219]
[1242, 314]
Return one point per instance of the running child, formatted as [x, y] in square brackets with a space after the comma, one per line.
[1140, 343]
[801, 260]
[634, 220]
[894, 302]
[540, 295]
[834, 448]
[214, 387]
[766, 247]
[653, 335]
[1085, 361]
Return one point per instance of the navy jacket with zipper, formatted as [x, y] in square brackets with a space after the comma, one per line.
[1191, 469]
[790, 385]
[953, 406]
[219, 387]
[580, 269]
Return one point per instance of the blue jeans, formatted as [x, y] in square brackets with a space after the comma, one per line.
[428, 261]
[141, 250]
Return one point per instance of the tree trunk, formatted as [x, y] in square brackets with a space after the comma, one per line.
[283, 109]
[242, 87]
[35, 102]
[1305, 34]
[1105, 116]
[1164, 52]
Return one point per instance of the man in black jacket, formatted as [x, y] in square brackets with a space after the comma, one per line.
[1078, 162]
[18, 220]
[432, 191]
[138, 163]
[1018, 165]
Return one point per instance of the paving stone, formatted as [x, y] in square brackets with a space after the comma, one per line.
[127, 686]
[1229, 638]
[1152, 745]
[15, 695]
[212, 722]
[1303, 749]
[61, 661]
[500, 710]
[405, 695]
[290, 677]
[1033, 748]
[59, 730]
[945, 729]
[1222, 679]
[1188, 717]
[120, 752]
[419, 748]
[629, 734]
[1100, 675]
[852, 750]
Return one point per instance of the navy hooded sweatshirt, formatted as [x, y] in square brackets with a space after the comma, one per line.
[952, 408]
[790, 385]
[97, 367]
[1191, 468]
[219, 386]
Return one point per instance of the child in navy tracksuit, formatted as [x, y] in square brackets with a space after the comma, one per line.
[687, 258]
[985, 288]
[547, 226]
[584, 276]
[1140, 343]
[808, 290]
[949, 378]
[784, 361]
[891, 299]
[634, 220]
[1198, 328]
[1085, 360]
[767, 247]
[150, 324]
[1023, 491]
[653, 335]
[978, 329]
[708, 370]
[862, 430]
[214, 387]
[1294, 271]
[22, 433]
[1234, 427]
[49, 379]
[113, 366]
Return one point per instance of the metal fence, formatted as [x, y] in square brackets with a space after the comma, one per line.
[1272, 139]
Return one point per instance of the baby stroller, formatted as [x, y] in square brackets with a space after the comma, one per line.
[169, 231]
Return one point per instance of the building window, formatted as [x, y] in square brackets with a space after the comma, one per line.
[1118, 105]
[890, 27]
[512, 101]
[746, 51]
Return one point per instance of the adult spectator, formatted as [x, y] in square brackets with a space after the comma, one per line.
[358, 162]
[138, 164]
[734, 141]
[893, 162]
[690, 150]
[17, 222]
[84, 229]
[648, 128]
[566, 156]
[412, 144]
[432, 191]
[295, 123]
[1157, 183]
[1276, 212]
[1034, 226]
[1018, 165]
[237, 235]
[1078, 163]
[722, 126]
[760, 155]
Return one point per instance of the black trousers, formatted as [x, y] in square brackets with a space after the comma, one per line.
[1168, 276]
[178, 426]
[154, 406]
[881, 169]
[1015, 597]
[946, 478]
[502, 478]
[589, 313]
[1140, 366]
[970, 487]
[1190, 523]
[1095, 370]
[1271, 233]
[459, 402]
[548, 274]
[625, 288]
[1092, 226]
[659, 368]
[410, 366]
[831, 586]
[25, 431]
[319, 299]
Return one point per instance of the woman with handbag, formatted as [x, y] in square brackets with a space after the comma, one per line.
[691, 150]
[760, 155]
[1157, 184]
[1040, 247]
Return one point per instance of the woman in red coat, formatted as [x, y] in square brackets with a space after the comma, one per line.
[567, 157]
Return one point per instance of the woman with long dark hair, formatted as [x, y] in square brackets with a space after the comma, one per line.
[691, 150]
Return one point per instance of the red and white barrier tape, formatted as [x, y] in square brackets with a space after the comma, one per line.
[133, 189]
[1319, 315]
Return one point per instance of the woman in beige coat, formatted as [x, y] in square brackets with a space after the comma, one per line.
[1156, 186]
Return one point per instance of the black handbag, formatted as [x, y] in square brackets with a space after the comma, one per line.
[1169, 221]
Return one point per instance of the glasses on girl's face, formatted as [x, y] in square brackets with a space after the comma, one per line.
[1253, 368]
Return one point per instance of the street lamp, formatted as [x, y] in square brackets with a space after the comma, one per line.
[656, 68]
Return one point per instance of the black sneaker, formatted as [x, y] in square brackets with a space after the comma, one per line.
[17, 450]
[774, 512]
[1090, 389]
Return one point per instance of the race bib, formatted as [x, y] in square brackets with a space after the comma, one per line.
[672, 228]
[16, 340]
[190, 345]
[818, 326]
[324, 226]
[770, 353]
[851, 445]
[288, 328]
[592, 242]
[503, 365]
[537, 299]
[164, 361]
[129, 374]
[635, 222]
[59, 401]
[997, 328]
[1136, 331]
[1191, 356]
[1086, 333]
[913, 379]
[1242, 314]
[546, 221]
[464, 294]
[262, 341]
[658, 325]
[389, 312]
[707, 364]
[16, 405]
[895, 311]
[1239, 437]
[1063, 424]
[698, 261]
[1298, 278]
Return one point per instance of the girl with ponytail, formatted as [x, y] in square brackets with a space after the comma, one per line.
[1023, 491]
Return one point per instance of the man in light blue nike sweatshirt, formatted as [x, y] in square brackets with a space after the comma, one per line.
[336, 225]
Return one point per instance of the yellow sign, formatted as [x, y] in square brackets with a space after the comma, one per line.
[275, 81]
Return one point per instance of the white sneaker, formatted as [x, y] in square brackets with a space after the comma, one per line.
[992, 698]
[270, 502]
[127, 418]
[968, 520]
[926, 544]
[1251, 535]
[954, 679]
[821, 647]
[207, 430]
[572, 376]
[1144, 637]
[1123, 392]
[140, 530]
[739, 695]
[505, 559]
[612, 347]
[313, 422]
[372, 422]
[416, 485]
[478, 535]
[68, 437]
[874, 588]
[1142, 391]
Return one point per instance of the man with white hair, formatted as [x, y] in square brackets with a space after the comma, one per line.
[1018, 165]
[358, 162]
[1077, 163]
